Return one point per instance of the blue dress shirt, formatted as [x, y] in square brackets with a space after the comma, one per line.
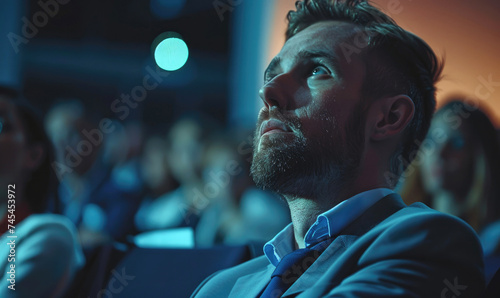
[328, 224]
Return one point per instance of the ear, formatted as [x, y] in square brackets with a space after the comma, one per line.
[34, 157]
[390, 116]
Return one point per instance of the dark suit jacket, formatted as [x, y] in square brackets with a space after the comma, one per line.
[391, 250]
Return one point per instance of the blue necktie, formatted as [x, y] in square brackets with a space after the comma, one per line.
[290, 268]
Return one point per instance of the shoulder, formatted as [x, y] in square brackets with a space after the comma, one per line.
[48, 223]
[54, 234]
[418, 220]
[47, 254]
[221, 283]
[416, 251]
[47, 219]
[420, 216]
[419, 230]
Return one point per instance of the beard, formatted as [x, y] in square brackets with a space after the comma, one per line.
[295, 165]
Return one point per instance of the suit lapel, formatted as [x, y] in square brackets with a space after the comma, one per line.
[324, 261]
[381, 210]
[252, 284]
[377, 213]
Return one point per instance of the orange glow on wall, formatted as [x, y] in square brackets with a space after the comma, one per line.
[466, 32]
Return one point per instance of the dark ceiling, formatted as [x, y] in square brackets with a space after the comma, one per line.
[96, 50]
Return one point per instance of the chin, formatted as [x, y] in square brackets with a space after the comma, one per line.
[292, 164]
[277, 163]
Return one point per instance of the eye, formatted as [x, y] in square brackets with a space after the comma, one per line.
[319, 70]
[268, 77]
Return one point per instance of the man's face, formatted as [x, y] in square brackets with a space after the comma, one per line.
[311, 129]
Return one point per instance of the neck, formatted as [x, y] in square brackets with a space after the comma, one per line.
[305, 210]
[304, 213]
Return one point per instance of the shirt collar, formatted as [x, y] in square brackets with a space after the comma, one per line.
[327, 225]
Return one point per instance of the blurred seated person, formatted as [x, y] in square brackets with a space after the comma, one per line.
[234, 211]
[122, 150]
[95, 200]
[47, 253]
[116, 199]
[184, 147]
[159, 189]
[457, 170]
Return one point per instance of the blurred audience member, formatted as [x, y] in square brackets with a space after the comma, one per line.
[47, 253]
[459, 169]
[124, 157]
[184, 150]
[91, 154]
[215, 197]
[160, 207]
[235, 212]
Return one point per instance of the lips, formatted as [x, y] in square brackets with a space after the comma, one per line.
[272, 126]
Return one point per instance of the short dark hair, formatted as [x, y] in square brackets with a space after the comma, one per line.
[397, 62]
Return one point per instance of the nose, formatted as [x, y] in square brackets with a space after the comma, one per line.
[278, 92]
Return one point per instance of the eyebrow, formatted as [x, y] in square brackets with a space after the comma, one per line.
[306, 55]
[272, 66]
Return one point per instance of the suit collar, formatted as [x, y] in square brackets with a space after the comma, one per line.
[327, 225]
[381, 210]
[251, 285]
[370, 218]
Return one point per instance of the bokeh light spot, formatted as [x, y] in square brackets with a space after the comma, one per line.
[171, 53]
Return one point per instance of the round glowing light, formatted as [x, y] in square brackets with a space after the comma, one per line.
[171, 53]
